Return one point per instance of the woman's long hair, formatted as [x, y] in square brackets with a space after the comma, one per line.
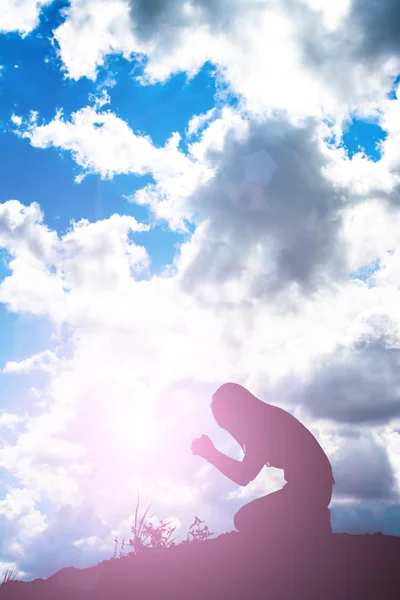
[238, 411]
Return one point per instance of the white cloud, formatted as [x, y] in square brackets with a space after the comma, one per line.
[333, 13]
[45, 266]
[16, 120]
[24, 522]
[363, 178]
[43, 361]
[91, 31]
[321, 67]
[100, 100]
[269, 212]
[18, 501]
[8, 420]
[198, 121]
[21, 15]
[100, 142]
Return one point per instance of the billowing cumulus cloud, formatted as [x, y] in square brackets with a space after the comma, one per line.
[255, 213]
[234, 179]
[155, 15]
[376, 25]
[19, 230]
[362, 469]
[329, 62]
[357, 385]
[102, 143]
[21, 16]
[342, 52]
[36, 255]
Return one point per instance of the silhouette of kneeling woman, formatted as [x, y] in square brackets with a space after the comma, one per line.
[273, 437]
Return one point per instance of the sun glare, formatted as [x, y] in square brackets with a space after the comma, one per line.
[133, 425]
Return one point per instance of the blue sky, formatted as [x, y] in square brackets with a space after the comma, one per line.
[235, 271]
[49, 176]
[41, 86]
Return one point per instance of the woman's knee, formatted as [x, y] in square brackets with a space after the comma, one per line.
[239, 519]
[252, 515]
[245, 517]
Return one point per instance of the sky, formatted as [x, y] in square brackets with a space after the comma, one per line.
[192, 193]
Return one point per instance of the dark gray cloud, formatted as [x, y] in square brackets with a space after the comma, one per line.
[369, 31]
[366, 517]
[163, 19]
[355, 386]
[148, 16]
[362, 469]
[269, 194]
[366, 38]
[375, 25]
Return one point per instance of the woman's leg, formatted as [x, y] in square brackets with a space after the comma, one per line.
[312, 501]
[263, 514]
[288, 511]
[312, 523]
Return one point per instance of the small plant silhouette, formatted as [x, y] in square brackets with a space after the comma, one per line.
[9, 575]
[145, 535]
[199, 534]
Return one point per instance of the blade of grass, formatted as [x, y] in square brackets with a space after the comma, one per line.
[170, 542]
[136, 512]
[10, 575]
[143, 519]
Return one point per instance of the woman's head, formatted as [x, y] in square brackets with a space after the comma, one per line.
[236, 410]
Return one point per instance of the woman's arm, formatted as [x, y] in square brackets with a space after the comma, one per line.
[240, 472]
[231, 468]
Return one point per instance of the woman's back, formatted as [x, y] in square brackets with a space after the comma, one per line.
[289, 445]
[272, 435]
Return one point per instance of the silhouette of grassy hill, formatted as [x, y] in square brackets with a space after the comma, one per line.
[231, 567]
